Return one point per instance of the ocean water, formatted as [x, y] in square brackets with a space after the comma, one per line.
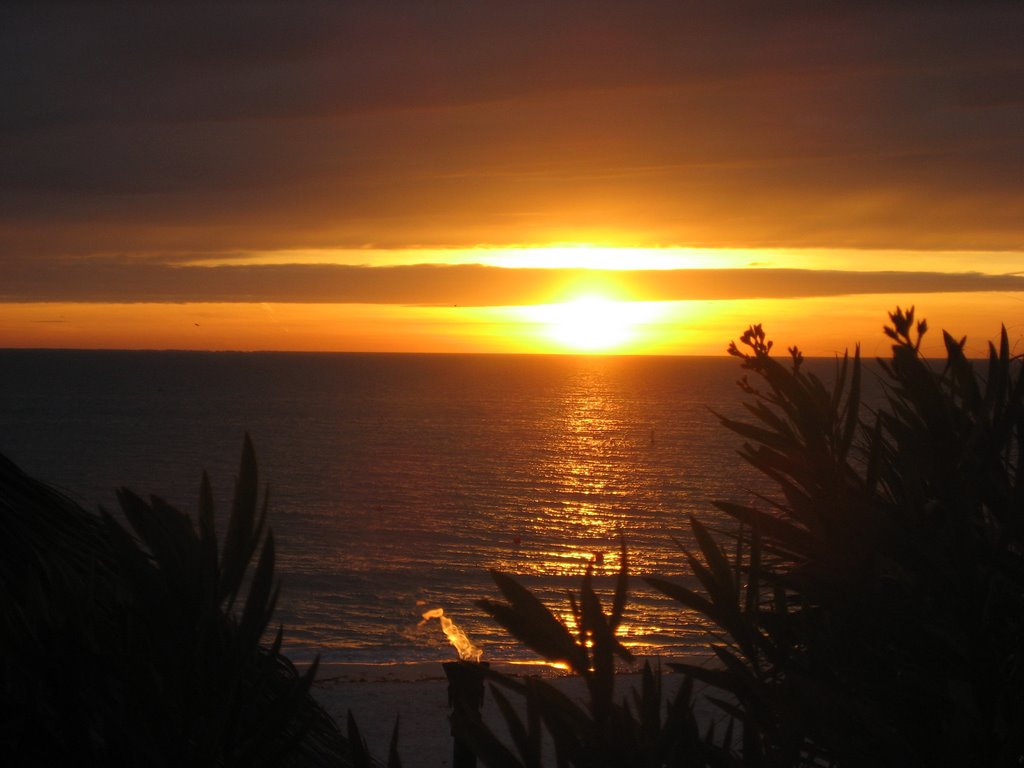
[397, 481]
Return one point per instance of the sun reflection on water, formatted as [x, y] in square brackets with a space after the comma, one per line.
[590, 468]
[540, 470]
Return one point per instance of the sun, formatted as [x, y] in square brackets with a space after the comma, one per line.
[591, 323]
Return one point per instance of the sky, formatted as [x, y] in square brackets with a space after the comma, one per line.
[642, 177]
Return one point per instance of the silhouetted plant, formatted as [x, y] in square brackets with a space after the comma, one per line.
[607, 731]
[128, 649]
[871, 607]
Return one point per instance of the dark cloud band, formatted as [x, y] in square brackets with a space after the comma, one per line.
[463, 285]
[264, 126]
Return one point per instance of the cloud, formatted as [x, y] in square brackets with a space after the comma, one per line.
[194, 126]
[462, 285]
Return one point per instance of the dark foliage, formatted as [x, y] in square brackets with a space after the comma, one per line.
[137, 648]
[869, 606]
[608, 731]
[872, 604]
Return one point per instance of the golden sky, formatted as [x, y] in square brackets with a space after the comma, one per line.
[532, 177]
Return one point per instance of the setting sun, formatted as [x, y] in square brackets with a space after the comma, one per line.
[592, 323]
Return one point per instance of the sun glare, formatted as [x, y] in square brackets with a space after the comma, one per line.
[591, 323]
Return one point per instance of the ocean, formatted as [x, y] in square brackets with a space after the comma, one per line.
[397, 481]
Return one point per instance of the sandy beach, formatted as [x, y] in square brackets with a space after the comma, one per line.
[417, 695]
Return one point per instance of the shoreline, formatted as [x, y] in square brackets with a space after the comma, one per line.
[425, 671]
[415, 695]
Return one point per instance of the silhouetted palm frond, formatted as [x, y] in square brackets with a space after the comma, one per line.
[123, 647]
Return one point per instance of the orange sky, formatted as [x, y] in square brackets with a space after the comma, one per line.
[280, 176]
